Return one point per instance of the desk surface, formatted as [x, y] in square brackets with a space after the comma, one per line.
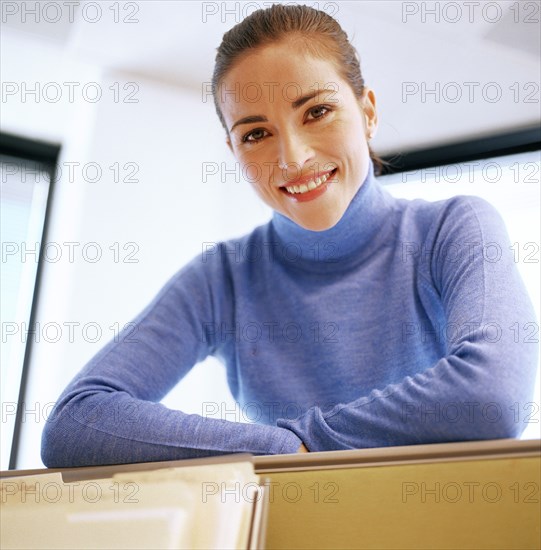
[436, 496]
[381, 456]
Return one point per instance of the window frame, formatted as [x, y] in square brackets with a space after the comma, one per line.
[45, 155]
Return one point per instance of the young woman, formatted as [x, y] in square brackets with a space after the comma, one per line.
[386, 321]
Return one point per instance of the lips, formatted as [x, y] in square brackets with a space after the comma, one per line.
[309, 188]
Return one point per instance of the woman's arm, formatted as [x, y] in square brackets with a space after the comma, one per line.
[482, 388]
[110, 412]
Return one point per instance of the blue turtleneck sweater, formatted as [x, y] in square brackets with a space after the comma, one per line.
[405, 323]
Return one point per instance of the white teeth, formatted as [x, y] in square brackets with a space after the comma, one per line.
[311, 185]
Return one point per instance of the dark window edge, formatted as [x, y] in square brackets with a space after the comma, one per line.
[29, 149]
[508, 143]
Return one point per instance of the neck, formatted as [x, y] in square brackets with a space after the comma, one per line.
[346, 241]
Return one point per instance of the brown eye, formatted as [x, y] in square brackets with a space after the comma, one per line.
[254, 136]
[319, 111]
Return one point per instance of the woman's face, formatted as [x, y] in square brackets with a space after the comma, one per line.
[298, 131]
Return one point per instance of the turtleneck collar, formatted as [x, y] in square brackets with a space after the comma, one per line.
[349, 240]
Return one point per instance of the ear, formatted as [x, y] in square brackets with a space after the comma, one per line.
[368, 106]
[228, 141]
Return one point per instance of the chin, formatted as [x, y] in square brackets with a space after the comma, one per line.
[321, 223]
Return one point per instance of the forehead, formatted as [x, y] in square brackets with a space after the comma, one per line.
[274, 74]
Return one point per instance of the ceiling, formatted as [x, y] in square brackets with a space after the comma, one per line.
[487, 54]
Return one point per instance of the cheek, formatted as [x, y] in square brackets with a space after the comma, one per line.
[353, 138]
[350, 130]
[253, 173]
[251, 167]
[259, 170]
[264, 193]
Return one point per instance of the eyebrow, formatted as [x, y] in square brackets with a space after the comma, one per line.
[295, 105]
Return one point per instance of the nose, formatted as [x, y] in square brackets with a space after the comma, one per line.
[294, 153]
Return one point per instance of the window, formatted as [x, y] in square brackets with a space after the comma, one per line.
[25, 187]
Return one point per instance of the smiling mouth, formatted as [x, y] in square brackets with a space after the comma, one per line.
[305, 188]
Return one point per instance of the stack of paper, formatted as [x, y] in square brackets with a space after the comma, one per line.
[207, 506]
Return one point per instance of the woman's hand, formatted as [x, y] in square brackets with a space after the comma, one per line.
[303, 449]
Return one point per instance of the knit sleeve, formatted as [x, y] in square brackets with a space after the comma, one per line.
[110, 412]
[482, 385]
